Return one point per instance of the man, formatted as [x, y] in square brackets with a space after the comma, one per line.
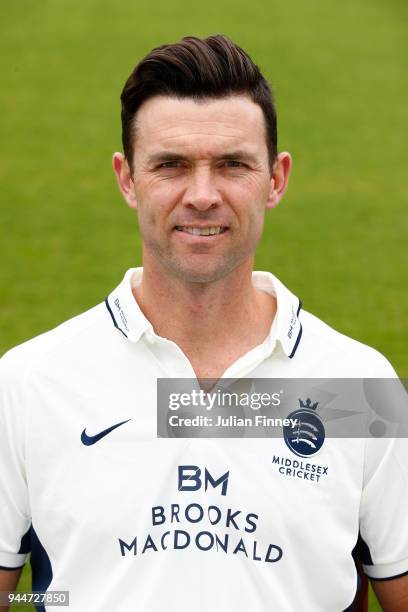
[126, 521]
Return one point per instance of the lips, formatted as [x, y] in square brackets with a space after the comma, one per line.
[209, 230]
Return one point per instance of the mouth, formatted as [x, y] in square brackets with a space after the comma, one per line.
[210, 230]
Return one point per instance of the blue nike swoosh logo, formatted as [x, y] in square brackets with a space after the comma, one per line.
[89, 440]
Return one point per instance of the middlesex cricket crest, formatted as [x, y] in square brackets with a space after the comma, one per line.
[306, 437]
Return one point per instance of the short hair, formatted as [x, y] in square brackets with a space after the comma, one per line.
[197, 68]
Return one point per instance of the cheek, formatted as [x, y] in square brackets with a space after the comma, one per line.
[250, 205]
[252, 217]
[255, 229]
[157, 200]
[149, 217]
[250, 190]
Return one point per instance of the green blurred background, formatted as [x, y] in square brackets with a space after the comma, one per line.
[339, 70]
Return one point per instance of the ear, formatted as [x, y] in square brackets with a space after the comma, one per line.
[279, 180]
[124, 178]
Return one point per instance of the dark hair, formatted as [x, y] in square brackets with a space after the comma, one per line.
[212, 67]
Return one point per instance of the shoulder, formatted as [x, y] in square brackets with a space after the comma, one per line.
[336, 351]
[66, 338]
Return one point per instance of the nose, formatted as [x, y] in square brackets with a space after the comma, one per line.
[201, 192]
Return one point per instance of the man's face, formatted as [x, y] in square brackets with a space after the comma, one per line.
[201, 183]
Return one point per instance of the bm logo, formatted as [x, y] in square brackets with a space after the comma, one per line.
[190, 478]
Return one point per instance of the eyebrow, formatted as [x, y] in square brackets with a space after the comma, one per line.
[166, 156]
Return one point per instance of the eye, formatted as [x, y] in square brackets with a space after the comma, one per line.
[233, 163]
[171, 164]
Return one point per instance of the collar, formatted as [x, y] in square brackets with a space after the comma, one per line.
[132, 323]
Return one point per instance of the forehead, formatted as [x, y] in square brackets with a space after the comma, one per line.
[199, 126]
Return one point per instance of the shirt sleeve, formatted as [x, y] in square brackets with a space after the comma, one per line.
[14, 504]
[384, 502]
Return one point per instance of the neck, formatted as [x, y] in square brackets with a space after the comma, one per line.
[229, 315]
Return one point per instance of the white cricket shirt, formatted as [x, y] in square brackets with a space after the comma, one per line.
[128, 521]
